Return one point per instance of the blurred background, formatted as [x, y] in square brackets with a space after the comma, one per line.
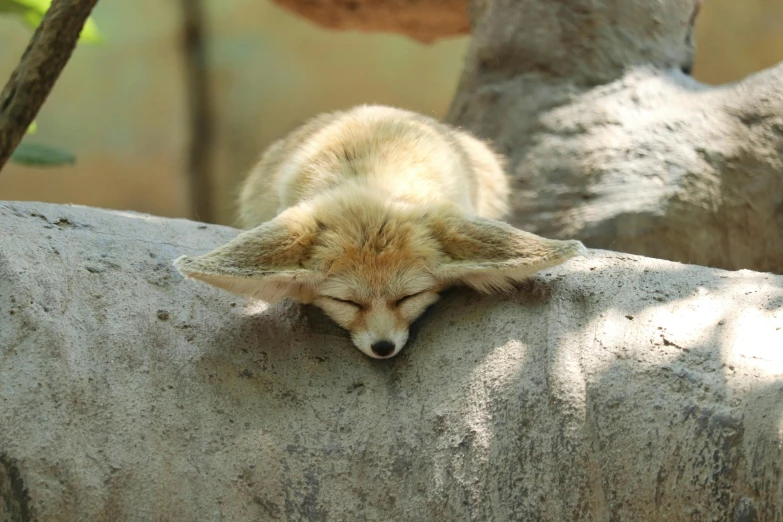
[122, 106]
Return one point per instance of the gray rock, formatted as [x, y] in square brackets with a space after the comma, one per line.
[614, 387]
[611, 141]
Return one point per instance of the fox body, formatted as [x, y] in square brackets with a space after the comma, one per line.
[368, 214]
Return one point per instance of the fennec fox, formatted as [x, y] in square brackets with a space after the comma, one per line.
[368, 214]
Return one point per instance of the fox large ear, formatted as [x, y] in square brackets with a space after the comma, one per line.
[264, 263]
[490, 255]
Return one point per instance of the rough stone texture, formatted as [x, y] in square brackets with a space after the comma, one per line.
[423, 20]
[612, 143]
[612, 388]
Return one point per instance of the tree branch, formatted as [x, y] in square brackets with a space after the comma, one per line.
[41, 64]
[200, 151]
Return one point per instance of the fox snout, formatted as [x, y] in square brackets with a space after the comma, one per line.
[379, 327]
[380, 343]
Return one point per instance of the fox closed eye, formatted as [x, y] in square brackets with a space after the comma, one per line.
[402, 300]
[345, 301]
[398, 302]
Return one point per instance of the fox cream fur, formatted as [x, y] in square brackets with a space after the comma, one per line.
[368, 214]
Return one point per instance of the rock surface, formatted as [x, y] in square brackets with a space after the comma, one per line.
[611, 141]
[612, 388]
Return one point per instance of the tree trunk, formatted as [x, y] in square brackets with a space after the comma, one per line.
[613, 387]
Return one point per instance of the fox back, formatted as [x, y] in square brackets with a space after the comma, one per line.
[369, 214]
[402, 154]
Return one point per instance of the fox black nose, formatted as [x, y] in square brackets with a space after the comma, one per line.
[382, 348]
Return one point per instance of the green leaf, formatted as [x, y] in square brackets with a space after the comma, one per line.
[90, 33]
[28, 9]
[37, 155]
[33, 11]
[33, 128]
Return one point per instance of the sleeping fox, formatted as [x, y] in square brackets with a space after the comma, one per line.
[368, 214]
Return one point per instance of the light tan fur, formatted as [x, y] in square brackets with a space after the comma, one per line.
[368, 214]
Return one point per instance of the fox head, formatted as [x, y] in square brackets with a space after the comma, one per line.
[374, 265]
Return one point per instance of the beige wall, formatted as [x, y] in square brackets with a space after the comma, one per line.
[120, 106]
[738, 37]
